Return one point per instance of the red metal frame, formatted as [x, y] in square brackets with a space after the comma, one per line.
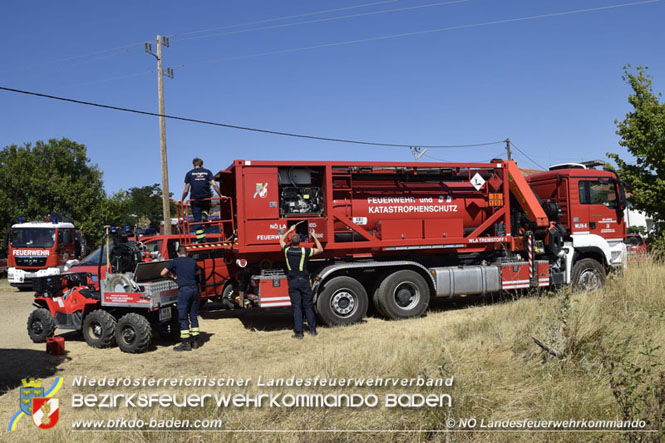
[184, 223]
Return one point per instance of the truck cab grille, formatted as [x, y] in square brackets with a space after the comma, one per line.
[30, 261]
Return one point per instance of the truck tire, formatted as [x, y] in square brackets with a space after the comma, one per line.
[227, 297]
[588, 275]
[377, 303]
[133, 333]
[403, 294]
[99, 329]
[40, 325]
[342, 301]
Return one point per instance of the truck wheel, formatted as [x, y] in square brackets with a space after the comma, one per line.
[342, 301]
[133, 333]
[40, 325]
[377, 303]
[587, 275]
[99, 329]
[227, 296]
[403, 294]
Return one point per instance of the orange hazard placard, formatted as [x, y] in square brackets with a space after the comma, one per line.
[496, 199]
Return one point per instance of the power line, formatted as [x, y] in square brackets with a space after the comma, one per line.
[434, 158]
[342, 43]
[442, 160]
[244, 128]
[525, 154]
[327, 19]
[276, 19]
[132, 46]
[495, 156]
[423, 32]
[118, 50]
[104, 80]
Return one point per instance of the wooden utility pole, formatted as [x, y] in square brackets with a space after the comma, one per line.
[508, 149]
[166, 201]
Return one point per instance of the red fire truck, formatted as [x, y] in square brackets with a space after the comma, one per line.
[397, 234]
[41, 248]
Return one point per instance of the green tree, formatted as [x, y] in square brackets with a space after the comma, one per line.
[642, 133]
[145, 203]
[139, 206]
[52, 176]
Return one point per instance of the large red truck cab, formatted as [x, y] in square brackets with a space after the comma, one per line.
[591, 206]
[41, 248]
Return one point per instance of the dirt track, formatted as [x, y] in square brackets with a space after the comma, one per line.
[239, 344]
[223, 332]
[21, 358]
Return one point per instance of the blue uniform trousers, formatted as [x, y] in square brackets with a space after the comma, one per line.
[301, 297]
[188, 307]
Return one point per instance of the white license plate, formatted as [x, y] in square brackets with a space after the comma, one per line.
[164, 314]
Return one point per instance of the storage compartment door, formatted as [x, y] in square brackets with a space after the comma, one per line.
[261, 193]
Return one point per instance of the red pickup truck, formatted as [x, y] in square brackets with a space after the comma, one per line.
[636, 245]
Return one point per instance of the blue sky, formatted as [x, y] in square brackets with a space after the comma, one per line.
[494, 69]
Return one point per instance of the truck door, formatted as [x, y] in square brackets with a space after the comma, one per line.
[65, 246]
[598, 198]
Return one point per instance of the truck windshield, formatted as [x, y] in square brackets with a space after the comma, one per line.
[634, 240]
[32, 237]
[596, 192]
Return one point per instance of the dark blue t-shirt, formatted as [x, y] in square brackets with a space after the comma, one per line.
[199, 181]
[296, 261]
[185, 268]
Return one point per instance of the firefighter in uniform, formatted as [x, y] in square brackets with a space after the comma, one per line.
[185, 272]
[198, 180]
[300, 291]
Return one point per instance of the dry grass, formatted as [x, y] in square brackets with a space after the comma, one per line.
[499, 372]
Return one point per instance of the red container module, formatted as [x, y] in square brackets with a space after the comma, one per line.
[396, 234]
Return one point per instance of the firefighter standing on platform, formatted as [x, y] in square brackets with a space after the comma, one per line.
[185, 271]
[300, 291]
[199, 180]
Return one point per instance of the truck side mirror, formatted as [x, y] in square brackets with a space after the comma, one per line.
[623, 203]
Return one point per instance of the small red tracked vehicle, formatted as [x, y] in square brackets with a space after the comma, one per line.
[124, 307]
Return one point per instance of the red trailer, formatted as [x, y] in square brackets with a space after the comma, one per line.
[401, 233]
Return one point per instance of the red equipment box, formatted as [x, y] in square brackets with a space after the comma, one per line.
[272, 289]
[515, 275]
